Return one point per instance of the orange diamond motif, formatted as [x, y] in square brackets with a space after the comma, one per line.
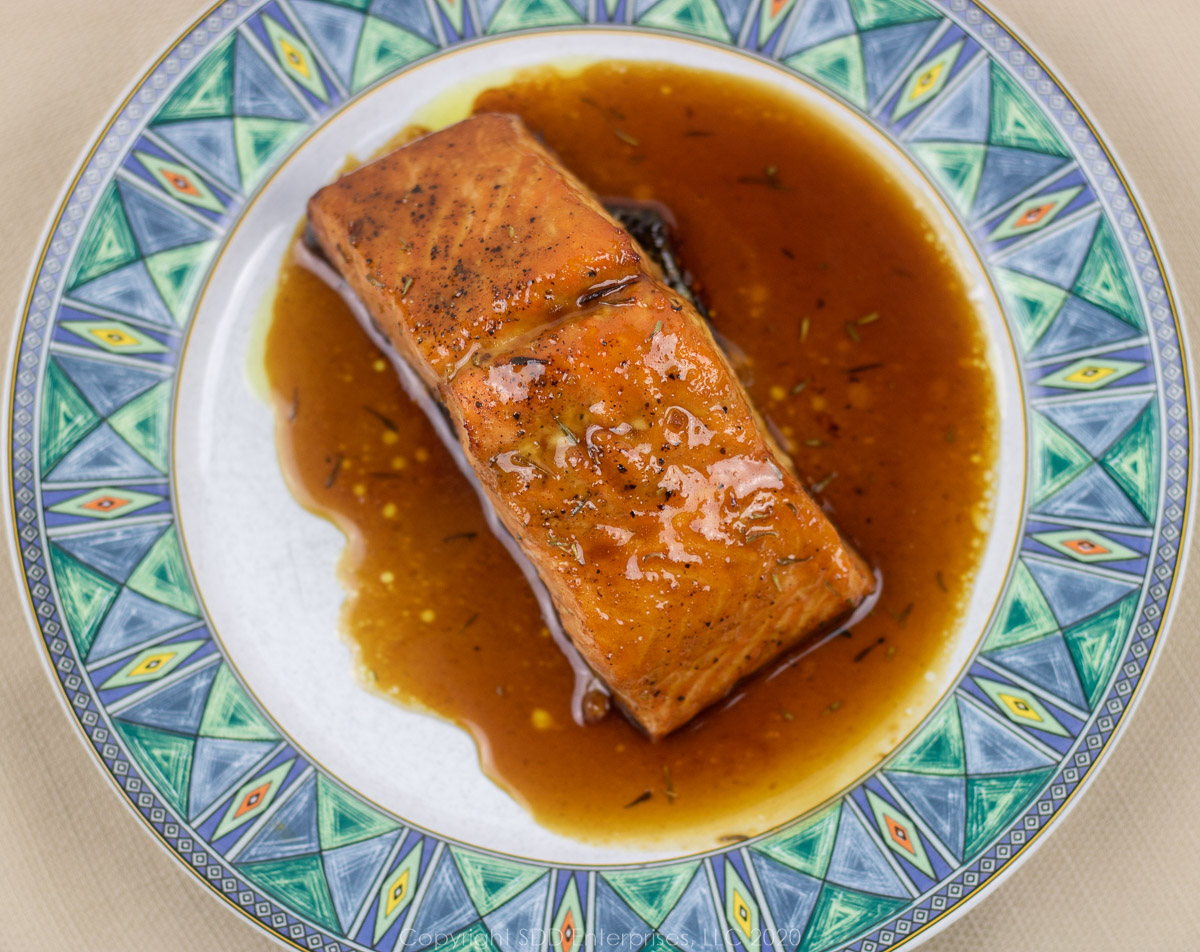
[105, 504]
[1086, 547]
[1034, 215]
[899, 834]
[252, 799]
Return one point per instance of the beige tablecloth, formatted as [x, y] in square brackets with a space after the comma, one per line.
[78, 870]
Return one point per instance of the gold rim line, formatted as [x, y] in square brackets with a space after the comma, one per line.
[1183, 358]
[938, 198]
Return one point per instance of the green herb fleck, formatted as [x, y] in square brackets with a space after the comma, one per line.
[775, 579]
[901, 617]
[805, 324]
[852, 331]
[670, 786]
[626, 137]
[654, 333]
[950, 434]
[640, 798]
[408, 283]
[755, 536]
[869, 318]
[820, 485]
[792, 560]
[800, 386]
[333, 473]
[571, 437]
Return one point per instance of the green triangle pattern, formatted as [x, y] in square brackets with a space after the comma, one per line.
[841, 913]
[837, 65]
[260, 142]
[1024, 614]
[1056, 459]
[1134, 461]
[165, 758]
[178, 273]
[937, 749]
[698, 17]
[298, 884]
[360, 5]
[1095, 645]
[992, 802]
[162, 575]
[383, 48]
[343, 818]
[66, 417]
[493, 880]
[807, 845]
[527, 14]
[1031, 302]
[85, 596]
[107, 244]
[207, 91]
[869, 14]
[145, 424]
[1105, 280]
[475, 938]
[956, 166]
[230, 714]
[652, 892]
[455, 11]
[1016, 121]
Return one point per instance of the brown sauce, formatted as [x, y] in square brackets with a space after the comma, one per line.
[850, 326]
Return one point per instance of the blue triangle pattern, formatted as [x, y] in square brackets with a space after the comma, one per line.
[790, 896]
[209, 143]
[1096, 424]
[290, 831]
[408, 16]
[858, 862]
[351, 871]
[1056, 257]
[257, 91]
[963, 114]
[335, 30]
[157, 226]
[517, 925]
[446, 907]
[887, 51]
[1007, 172]
[128, 290]
[992, 748]
[178, 707]
[488, 10]
[217, 764]
[1047, 663]
[692, 925]
[819, 22]
[1093, 492]
[101, 455]
[115, 552]
[733, 11]
[133, 619]
[107, 386]
[615, 920]
[1074, 595]
[1081, 325]
[940, 801]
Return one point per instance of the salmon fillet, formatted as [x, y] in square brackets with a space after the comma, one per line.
[602, 420]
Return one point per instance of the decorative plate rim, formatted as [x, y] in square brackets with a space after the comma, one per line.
[956, 13]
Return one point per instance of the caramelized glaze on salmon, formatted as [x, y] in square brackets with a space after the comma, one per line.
[602, 420]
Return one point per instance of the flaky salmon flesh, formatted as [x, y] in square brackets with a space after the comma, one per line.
[602, 420]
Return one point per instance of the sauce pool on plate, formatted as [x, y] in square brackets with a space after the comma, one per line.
[851, 327]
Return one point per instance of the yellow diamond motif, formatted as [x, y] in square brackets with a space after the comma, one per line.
[114, 337]
[295, 58]
[926, 81]
[1090, 374]
[1020, 708]
[396, 893]
[151, 664]
[741, 913]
